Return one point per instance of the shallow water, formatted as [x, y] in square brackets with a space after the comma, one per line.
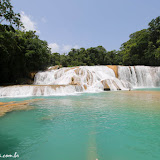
[122, 125]
[148, 89]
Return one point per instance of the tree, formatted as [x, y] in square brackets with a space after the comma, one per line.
[20, 54]
[55, 59]
[7, 14]
[134, 50]
[154, 29]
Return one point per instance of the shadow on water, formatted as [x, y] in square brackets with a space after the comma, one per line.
[8, 144]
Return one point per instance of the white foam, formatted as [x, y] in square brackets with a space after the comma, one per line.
[88, 79]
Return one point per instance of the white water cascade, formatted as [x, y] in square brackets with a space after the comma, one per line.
[140, 76]
[73, 80]
[90, 78]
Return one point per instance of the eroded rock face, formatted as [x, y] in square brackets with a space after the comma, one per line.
[85, 86]
[32, 75]
[54, 67]
[105, 85]
[75, 81]
[108, 84]
[114, 68]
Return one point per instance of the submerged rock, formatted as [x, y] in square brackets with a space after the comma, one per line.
[6, 107]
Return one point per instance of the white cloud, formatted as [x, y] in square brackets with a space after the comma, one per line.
[66, 48]
[61, 48]
[54, 47]
[28, 23]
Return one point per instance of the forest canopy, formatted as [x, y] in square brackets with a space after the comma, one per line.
[143, 48]
[22, 52]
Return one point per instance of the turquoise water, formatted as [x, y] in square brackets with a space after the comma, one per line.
[148, 89]
[118, 125]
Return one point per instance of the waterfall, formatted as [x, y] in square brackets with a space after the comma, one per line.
[140, 76]
[35, 90]
[73, 80]
[89, 77]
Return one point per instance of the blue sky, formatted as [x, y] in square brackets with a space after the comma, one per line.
[86, 23]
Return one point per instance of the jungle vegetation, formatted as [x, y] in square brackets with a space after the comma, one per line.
[22, 52]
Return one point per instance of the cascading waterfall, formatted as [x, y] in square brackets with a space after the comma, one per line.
[38, 90]
[140, 76]
[89, 77]
[72, 80]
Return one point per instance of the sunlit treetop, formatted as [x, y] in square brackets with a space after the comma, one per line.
[7, 14]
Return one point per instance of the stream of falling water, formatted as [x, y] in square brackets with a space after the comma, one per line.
[73, 80]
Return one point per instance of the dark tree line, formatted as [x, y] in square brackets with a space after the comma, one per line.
[82, 57]
[20, 52]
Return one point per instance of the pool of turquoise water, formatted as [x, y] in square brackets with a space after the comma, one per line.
[148, 89]
[104, 126]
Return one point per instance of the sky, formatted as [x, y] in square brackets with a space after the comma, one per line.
[67, 24]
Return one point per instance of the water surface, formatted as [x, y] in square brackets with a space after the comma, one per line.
[121, 125]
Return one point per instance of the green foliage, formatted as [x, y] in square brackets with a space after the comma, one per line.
[23, 52]
[154, 29]
[20, 54]
[7, 14]
[82, 57]
[143, 46]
